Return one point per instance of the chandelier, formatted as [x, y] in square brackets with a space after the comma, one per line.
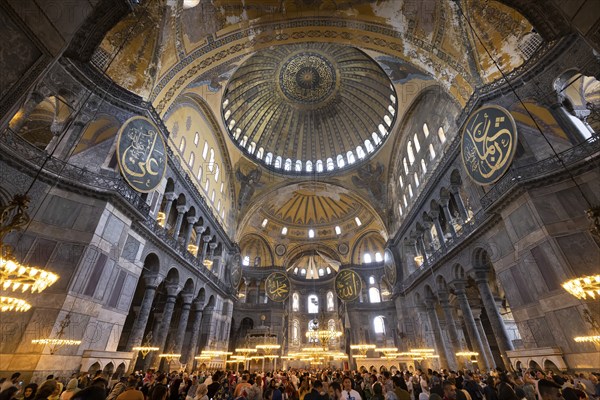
[55, 344]
[362, 349]
[12, 304]
[467, 354]
[583, 287]
[169, 356]
[13, 275]
[588, 339]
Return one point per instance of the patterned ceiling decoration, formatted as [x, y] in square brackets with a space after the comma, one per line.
[309, 108]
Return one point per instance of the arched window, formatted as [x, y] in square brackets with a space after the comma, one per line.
[378, 257]
[252, 147]
[340, 161]
[350, 157]
[212, 196]
[360, 152]
[331, 325]
[401, 182]
[405, 202]
[367, 258]
[269, 158]
[309, 166]
[411, 155]
[369, 146]
[387, 120]
[338, 230]
[423, 166]
[295, 331]
[416, 180]
[400, 209]
[211, 160]
[330, 165]
[216, 172]
[243, 141]
[259, 153]
[313, 304]
[417, 144]
[441, 135]
[246, 261]
[379, 325]
[295, 302]
[182, 145]
[391, 110]
[191, 160]
[205, 150]
[199, 176]
[405, 165]
[426, 131]
[376, 138]
[382, 130]
[371, 280]
[393, 98]
[237, 133]
[431, 152]
[311, 233]
[206, 185]
[410, 192]
[219, 205]
[227, 114]
[277, 162]
[298, 167]
[319, 166]
[222, 187]
[196, 138]
[330, 304]
[287, 166]
[374, 296]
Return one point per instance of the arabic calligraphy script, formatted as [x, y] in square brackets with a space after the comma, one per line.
[141, 154]
[348, 285]
[277, 286]
[488, 144]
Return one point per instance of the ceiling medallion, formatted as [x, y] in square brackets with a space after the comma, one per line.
[307, 78]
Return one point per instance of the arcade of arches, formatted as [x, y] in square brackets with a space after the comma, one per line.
[304, 138]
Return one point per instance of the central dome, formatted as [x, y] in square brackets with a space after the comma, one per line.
[309, 108]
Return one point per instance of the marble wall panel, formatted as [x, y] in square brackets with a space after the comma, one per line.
[522, 221]
[581, 252]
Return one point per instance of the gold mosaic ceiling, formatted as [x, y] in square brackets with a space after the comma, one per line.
[311, 107]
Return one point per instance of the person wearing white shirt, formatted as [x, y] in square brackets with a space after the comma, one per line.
[348, 393]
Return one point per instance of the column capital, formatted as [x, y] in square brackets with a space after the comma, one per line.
[206, 238]
[151, 280]
[459, 285]
[192, 219]
[481, 276]
[434, 214]
[443, 297]
[181, 209]
[200, 229]
[198, 304]
[172, 289]
[170, 196]
[213, 246]
[187, 298]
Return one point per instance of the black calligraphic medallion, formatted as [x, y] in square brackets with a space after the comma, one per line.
[348, 285]
[488, 144]
[389, 267]
[277, 287]
[141, 154]
[236, 273]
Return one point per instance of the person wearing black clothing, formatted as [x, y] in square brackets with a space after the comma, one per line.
[215, 385]
[317, 392]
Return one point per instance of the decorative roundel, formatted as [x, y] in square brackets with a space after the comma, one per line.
[348, 285]
[389, 267]
[280, 250]
[236, 275]
[141, 154]
[488, 144]
[307, 78]
[343, 248]
[277, 287]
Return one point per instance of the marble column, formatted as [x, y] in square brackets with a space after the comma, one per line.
[475, 338]
[163, 329]
[435, 215]
[437, 331]
[211, 251]
[455, 190]
[139, 326]
[188, 232]
[484, 340]
[450, 328]
[183, 321]
[448, 217]
[30, 104]
[199, 231]
[205, 240]
[196, 326]
[421, 245]
[493, 314]
[181, 210]
[168, 204]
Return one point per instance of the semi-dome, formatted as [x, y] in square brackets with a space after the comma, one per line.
[309, 108]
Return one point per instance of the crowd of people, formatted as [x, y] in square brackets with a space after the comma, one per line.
[326, 384]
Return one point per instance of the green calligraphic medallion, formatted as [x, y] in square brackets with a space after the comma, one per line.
[348, 285]
[277, 286]
[488, 144]
[389, 267]
[141, 154]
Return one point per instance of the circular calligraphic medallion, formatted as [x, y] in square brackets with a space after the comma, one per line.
[488, 144]
[141, 154]
[236, 273]
[389, 267]
[280, 250]
[277, 286]
[348, 285]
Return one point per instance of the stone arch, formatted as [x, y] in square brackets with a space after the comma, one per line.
[211, 302]
[188, 287]
[458, 272]
[170, 186]
[151, 263]
[532, 364]
[94, 367]
[201, 297]
[108, 369]
[440, 284]
[255, 247]
[480, 260]
[455, 177]
[370, 242]
[172, 277]
[119, 372]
